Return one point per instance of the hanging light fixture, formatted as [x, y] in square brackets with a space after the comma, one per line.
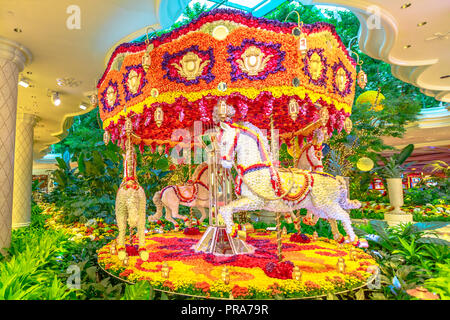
[298, 32]
[24, 82]
[146, 59]
[55, 99]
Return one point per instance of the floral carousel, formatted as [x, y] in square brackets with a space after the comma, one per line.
[240, 86]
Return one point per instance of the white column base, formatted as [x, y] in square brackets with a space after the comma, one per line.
[21, 225]
[394, 219]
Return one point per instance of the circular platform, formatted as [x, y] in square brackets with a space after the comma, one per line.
[252, 276]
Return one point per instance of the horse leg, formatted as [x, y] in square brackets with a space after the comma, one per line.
[169, 216]
[121, 219]
[159, 204]
[240, 204]
[338, 213]
[141, 226]
[174, 208]
[334, 229]
[203, 213]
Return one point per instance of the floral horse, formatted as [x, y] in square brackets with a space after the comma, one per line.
[193, 194]
[264, 187]
[311, 159]
[130, 203]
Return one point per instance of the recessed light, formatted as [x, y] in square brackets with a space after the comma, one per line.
[24, 83]
[83, 106]
[18, 30]
[406, 5]
[422, 24]
[407, 46]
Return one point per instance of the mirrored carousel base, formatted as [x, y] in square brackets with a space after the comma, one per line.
[217, 241]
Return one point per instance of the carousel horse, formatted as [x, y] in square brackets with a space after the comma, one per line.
[195, 193]
[311, 159]
[130, 204]
[264, 187]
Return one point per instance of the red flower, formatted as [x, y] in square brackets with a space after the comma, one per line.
[301, 238]
[238, 291]
[280, 270]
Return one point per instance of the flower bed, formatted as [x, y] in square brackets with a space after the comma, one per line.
[255, 276]
[94, 229]
[429, 212]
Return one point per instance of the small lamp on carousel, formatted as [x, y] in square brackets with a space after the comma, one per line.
[340, 265]
[165, 270]
[225, 275]
[297, 274]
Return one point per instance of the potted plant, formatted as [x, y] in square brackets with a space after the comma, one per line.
[392, 170]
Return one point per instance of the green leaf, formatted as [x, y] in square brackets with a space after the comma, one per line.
[360, 295]
[405, 153]
[331, 296]
[61, 163]
[164, 296]
[81, 166]
[437, 241]
[162, 164]
[142, 290]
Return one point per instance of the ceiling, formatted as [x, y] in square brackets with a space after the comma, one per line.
[79, 55]
[418, 53]
[75, 54]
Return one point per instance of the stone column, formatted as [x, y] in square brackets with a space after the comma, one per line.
[23, 170]
[13, 57]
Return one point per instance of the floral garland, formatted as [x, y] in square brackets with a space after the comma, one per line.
[285, 65]
[153, 136]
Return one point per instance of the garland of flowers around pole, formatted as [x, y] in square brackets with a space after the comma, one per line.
[191, 69]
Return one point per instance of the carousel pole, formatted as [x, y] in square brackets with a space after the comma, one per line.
[191, 214]
[279, 244]
[272, 144]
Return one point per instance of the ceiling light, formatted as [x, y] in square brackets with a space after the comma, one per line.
[406, 5]
[55, 99]
[18, 30]
[83, 106]
[24, 83]
[407, 46]
[421, 24]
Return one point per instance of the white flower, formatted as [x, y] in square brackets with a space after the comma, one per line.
[373, 237]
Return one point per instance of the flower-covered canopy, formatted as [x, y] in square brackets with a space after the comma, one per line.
[254, 63]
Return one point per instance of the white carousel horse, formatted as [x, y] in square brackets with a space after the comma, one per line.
[278, 190]
[130, 204]
[193, 194]
[311, 159]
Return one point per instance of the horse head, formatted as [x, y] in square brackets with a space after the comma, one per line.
[227, 141]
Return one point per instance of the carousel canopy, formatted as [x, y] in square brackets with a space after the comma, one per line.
[263, 68]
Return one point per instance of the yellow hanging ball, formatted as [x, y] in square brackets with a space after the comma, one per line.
[365, 164]
[369, 97]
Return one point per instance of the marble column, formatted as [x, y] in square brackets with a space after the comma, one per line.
[13, 57]
[23, 170]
